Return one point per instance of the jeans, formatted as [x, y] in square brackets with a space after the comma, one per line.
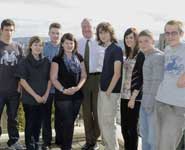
[170, 124]
[147, 129]
[33, 120]
[67, 111]
[107, 110]
[12, 104]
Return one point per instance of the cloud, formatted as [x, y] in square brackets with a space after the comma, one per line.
[158, 17]
[52, 3]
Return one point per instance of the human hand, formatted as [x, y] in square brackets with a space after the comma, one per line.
[181, 81]
[131, 103]
[45, 97]
[68, 91]
[38, 98]
[75, 89]
[108, 93]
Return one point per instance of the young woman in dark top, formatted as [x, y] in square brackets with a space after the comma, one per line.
[34, 78]
[132, 89]
[68, 76]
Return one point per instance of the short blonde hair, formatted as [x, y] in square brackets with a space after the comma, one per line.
[178, 23]
[147, 33]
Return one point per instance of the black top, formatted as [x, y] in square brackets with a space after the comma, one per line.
[67, 79]
[10, 57]
[36, 73]
[137, 75]
[112, 53]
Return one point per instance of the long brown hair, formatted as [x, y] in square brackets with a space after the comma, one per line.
[128, 50]
[107, 27]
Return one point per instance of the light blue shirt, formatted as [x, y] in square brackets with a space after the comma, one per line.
[50, 51]
[168, 91]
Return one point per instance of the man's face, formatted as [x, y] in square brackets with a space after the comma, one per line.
[173, 35]
[105, 36]
[7, 32]
[55, 34]
[145, 43]
[87, 30]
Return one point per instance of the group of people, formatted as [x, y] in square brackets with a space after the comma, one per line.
[95, 72]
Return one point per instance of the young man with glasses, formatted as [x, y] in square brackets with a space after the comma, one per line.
[170, 107]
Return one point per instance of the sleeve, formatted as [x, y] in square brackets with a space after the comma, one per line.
[48, 68]
[137, 74]
[22, 72]
[56, 60]
[158, 72]
[45, 49]
[80, 57]
[118, 55]
[21, 50]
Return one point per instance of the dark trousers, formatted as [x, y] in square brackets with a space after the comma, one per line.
[129, 124]
[12, 104]
[67, 111]
[90, 115]
[181, 145]
[57, 126]
[33, 120]
[46, 124]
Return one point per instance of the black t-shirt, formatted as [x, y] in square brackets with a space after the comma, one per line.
[67, 79]
[112, 53]
[10, 57]
[36, 73]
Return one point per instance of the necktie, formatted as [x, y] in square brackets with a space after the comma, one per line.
[86, 56]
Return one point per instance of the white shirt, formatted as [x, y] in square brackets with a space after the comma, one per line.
[96, 54]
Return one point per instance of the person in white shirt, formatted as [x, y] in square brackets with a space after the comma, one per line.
[93, 57]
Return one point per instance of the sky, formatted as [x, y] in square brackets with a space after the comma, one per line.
[32, 17]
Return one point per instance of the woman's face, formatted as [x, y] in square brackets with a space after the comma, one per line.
[130, 40]
[68, 45]
[36, 48]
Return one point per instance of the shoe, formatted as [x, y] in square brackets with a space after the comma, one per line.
[0, 131]
[95, 147]
[16, 146]
[45, 147]
[88, 146]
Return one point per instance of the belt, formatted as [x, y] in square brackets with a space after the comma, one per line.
[95, 73]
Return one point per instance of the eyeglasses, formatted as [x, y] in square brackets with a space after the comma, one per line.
[173, 33]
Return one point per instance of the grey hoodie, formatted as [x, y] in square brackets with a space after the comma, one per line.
[153, 70]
